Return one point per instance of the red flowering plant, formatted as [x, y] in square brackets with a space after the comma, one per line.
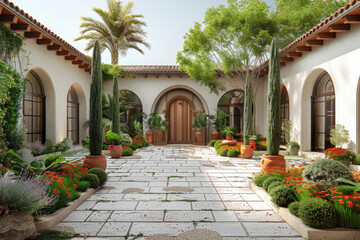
[340, 154]
[261, 145]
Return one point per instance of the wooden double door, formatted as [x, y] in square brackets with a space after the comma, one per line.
[179, 113]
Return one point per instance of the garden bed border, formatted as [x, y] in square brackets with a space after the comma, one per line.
[302, 229]
[51, 220]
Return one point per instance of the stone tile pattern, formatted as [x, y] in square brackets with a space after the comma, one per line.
[221, 201]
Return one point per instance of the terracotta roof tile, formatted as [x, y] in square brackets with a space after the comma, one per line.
[151, 69]
[52, 34]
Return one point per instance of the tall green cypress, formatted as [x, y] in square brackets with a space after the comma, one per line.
[115, 108]
[95, 103]
[273, 117]
[248, 114]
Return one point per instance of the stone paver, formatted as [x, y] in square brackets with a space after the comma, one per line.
[219, 199]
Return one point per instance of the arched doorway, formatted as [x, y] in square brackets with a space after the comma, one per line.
[73, 116]
[179, 114]
[131, 108]
[34, 108]
[322, 112]
[232, 103]
[285, 113]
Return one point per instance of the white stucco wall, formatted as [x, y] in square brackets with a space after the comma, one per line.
[57, 76]
[340, 58]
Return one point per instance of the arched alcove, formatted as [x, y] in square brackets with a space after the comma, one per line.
[285, 111]
[232, 102]
[132, 101]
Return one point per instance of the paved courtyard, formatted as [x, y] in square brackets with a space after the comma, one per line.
[174, 189]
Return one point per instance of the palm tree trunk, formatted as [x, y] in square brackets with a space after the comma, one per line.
[115, 57]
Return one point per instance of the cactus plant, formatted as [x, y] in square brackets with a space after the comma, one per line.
[248, 114]
[115, 110]
[95, 103]
[273, 117]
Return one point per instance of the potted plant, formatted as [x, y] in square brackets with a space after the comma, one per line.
[229, 132]
[199, 123]
[95, 159]
[293, 148]
[160, 126]
[219, 122]
[272, 158]
[150, 122]
[115, 147]
[247, 149]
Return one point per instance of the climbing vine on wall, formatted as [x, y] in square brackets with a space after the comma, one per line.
[10, 44]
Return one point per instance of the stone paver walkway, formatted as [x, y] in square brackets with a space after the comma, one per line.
[174, 189]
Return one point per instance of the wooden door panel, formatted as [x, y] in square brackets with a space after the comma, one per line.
[180, 122]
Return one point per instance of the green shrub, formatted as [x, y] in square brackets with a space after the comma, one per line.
[260, 178]
[83, 186]
[232, 153]
[217, 144]
[51, 159]
[127, 152]
[3, 146]
[135, 145]
[273, 185]
[326, 171]
[318, 213]
[282, 196]
[270, 180]
[357, 159]
[212, 143]
[294, 208]
[48, 144]
[345, 189]
[37, 164]
[145, 144]
[92, 179]
[100, 173]
[222, 152]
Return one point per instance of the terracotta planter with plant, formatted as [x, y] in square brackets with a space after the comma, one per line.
[229, 132]
[272, 158]
[95, 159]
[199, 124]
[219, 122]
[160, 130]
[247, 150]
[151, 121]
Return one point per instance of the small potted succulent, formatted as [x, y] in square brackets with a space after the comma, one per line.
[229, 132]
[199, 123]
[293, 148]
[219, 122]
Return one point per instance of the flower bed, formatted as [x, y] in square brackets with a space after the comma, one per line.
[324, 194]
[223, 149]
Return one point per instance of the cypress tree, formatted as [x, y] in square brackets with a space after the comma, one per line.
[95, 103]
[248, 114]
[273, 117]
[115, 108]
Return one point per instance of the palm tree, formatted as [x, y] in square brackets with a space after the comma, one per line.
[118, 30]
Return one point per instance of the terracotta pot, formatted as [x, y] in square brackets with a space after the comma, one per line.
[160, 137]
[116, 152]
[269, 162]
[95, 161]
[252, 142]
[246, 151]
[215, 135]
[199, 137]
[149, 137]
[229, 137]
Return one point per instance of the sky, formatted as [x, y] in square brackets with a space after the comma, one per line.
[167, 22]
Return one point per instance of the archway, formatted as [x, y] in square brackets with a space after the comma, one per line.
[232, 102]
[322, 112]
[285, 113]
[178, 105]
[131, 108]
[73, 116]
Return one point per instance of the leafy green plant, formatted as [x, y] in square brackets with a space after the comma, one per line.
[294, 144]
[95, 103]
[217, 144]
[92, 179]
[274, 101]
[18, 137]
[114, 137]
[357, 159]
[339, 135]
[273, 185]
[212, 143]
[127, 152]
[228, 131]
[294, 208]
[137, 127]
[220, 120]
[260, 178]
[3, 146]
[318, 213]
[101, 174]
[248, 105]
[270, 180]
[326, 171]
[125, 139]
[282, 196]
[222, 152]
[48, 144]
[83, 186]
[24, 194]
[199, 121]
[232, 153]
[51, 159]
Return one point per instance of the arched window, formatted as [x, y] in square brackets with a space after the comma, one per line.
[34, 108]
[323, 112]
[285, 113]
[232, 103]
[132, 107]
[73, 116]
